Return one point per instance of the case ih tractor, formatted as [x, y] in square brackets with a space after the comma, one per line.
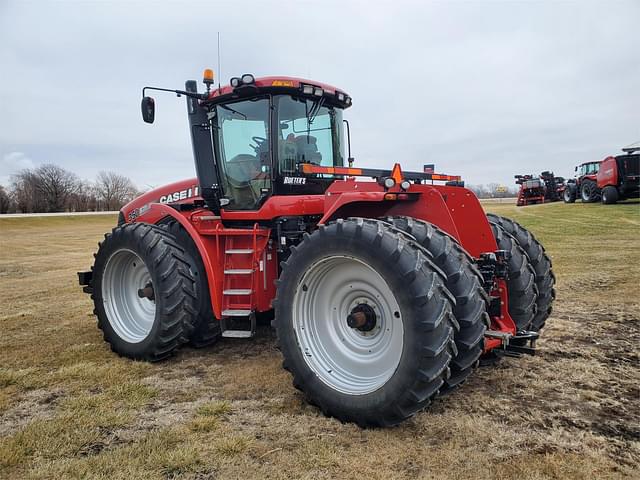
[612, 179]
[386, 288]
[585, 185]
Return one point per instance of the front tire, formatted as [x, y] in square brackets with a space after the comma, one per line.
[207, 328]
[569, 195]
[143, 292]
[381, 372]
[589, 191]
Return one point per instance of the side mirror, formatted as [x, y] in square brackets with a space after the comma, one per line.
[575, 169]
[148, 107]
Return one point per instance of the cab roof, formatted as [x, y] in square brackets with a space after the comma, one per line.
[280, 84]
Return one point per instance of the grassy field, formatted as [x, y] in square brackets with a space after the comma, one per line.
[69, 408]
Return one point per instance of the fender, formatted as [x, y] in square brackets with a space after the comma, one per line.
[158, 212]
[608, 173]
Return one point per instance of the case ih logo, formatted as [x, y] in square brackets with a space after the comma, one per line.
[181, 195]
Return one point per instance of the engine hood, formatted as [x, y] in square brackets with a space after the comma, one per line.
[184, 191]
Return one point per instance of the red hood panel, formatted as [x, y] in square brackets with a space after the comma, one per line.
[178, 192]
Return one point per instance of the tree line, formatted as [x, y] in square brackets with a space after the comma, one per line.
[51, 188]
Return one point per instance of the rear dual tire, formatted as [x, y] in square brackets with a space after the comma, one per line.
[376, 377]
[544, 277]
[464, 281]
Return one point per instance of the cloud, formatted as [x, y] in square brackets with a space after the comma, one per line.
[482, 89]
[11, 163]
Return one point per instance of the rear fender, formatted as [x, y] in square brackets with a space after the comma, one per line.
[157, 213]
[456, 210]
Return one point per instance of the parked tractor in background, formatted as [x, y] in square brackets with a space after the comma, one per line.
[385, 288]
[585, 185]
[539, 189]
[609, 180]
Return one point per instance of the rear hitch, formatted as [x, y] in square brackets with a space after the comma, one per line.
[515, 345]
[492, 266]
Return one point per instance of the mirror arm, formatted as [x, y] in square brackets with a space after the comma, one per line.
[349, 158]
[198, 96]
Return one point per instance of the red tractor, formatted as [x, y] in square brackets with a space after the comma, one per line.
[385, 288]
[584, 185]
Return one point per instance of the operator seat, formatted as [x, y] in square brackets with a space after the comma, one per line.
[240, 171]
[307, 146]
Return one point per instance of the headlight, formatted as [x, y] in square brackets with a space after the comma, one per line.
[248, 79]
[235, 82]
[389, 182]
[405, 184]
[307, 89]
[340, 96]
[318, 92]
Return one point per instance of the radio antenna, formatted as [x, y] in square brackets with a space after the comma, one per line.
[219, 72]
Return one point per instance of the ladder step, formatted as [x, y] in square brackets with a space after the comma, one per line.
[239, 251]
[236, 313]
[240, 271]
[237, 291]
[237, 333]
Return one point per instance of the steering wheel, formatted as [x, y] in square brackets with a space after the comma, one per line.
[260, 141]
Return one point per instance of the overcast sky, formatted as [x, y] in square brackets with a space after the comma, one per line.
[481, 89]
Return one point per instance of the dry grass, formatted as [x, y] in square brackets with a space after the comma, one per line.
[69, 408]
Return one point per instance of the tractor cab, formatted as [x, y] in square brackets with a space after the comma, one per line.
[588, 168]
[251, 137]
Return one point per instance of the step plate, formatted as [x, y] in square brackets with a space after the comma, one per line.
[236, 313]
[239, 271]
[237, 291]
[237, 334]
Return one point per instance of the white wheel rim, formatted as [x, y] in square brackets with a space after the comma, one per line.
[130, 316]
[347, 359]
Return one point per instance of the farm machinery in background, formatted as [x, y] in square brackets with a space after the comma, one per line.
[539, 189]
[609, 180]
[386, 289]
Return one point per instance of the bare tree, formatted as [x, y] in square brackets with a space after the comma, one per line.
[5, 201]
[25, 193]
[114, 190]
[56, 185]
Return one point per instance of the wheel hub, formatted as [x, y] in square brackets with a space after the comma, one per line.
[362, 318]
[128, 296]
[348, 324]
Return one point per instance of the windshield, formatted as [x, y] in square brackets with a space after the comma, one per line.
[242, 130]
[309, 132]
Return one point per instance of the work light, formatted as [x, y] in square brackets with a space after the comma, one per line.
[235, 82]
[247, 79]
